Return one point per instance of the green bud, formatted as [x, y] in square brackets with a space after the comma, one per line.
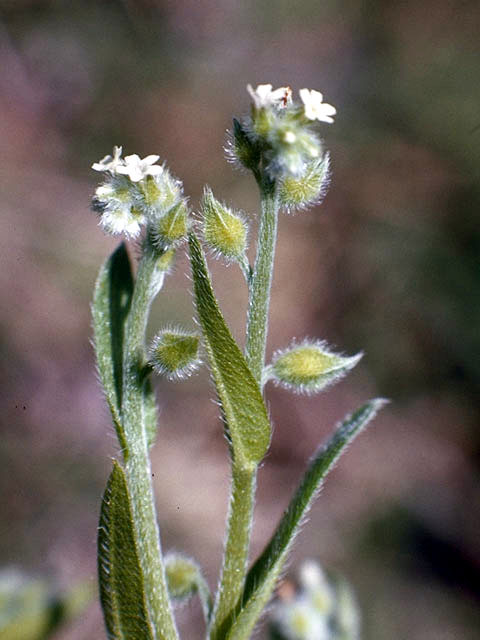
[171, 229]
[242, 147]
[224, 232]
[174, 353]
[182, 576]
[160, 193]
[307, 189]
[309, 367]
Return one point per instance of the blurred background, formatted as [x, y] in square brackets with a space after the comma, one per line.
[388, 264]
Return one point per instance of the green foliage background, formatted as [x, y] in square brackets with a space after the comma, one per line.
[389, 264]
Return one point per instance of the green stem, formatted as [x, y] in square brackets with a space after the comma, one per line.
[244, 480]
[235, 559]
[137, 461]
[259, 294]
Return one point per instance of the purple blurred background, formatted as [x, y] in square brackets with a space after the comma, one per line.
[389, 263]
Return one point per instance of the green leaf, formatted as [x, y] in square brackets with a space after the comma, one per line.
[111, 303]
[120, 576]
[262, 577]
[242, 403]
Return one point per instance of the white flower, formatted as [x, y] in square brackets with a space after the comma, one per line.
[109, 163]
[315, 108]
[137, 168]
[297, 620]
[263, 96]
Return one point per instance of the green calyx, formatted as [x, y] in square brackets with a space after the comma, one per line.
[171, 229]
[309, 367]
[224, 232]
[174, 353]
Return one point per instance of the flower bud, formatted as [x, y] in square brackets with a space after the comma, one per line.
[171, 229]
[307, 189]
[174, 353]
[224, 232]
[242, 147]
[309, 367]
[118, 204]
[160, 193]
[182, 576]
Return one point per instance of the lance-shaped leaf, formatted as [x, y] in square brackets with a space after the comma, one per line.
[262, 577]
[122, 591]
[242, 403]
[111, 303]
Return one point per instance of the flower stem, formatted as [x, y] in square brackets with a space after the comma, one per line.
[235, 559]
[259, 294]
[242, 498]
[137, 462]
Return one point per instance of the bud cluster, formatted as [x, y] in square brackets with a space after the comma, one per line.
[320, 608]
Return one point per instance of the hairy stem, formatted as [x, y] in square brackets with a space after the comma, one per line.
[235, 559]
[242, 498]
[137, 461]
[259, 293]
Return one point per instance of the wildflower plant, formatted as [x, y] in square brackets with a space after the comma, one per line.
[279, 143]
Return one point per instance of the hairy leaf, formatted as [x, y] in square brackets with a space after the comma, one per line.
[111, 303]
[121, 581]
[242, 403]
[262, 577]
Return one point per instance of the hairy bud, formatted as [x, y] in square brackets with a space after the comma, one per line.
[224, 232]
[309, 367]
[174, 353]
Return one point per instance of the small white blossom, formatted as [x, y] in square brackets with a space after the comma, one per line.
[315, 108]
[110, 163]
[298, 620]
[264, 96]
[137, 168]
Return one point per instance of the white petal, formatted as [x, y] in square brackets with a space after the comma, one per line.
[328, 109]
[150, 159]
[133, 159]
[135, 173]
[154, 170]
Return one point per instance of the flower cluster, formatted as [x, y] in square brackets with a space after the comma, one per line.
[279, 136]
[321, 608]
[137, 191]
